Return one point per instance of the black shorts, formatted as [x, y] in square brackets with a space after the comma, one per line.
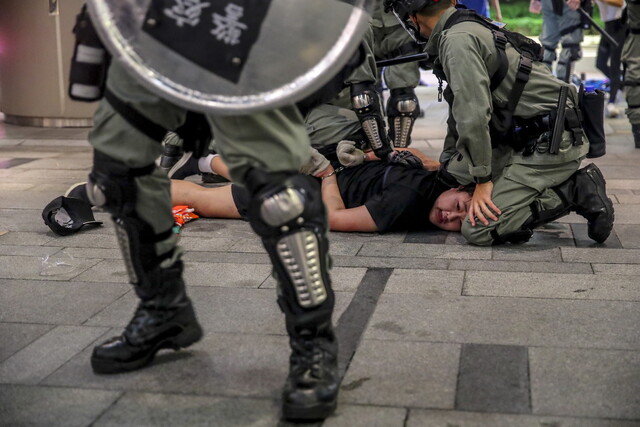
[241, 198]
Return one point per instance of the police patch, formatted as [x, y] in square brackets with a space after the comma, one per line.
[228, 29]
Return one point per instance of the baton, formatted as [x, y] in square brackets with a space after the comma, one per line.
[598, 28]
[402, 59]
[558, 125]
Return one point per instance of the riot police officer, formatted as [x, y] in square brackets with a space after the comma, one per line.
[631, 62]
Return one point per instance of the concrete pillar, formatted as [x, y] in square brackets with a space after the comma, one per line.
[36, 44]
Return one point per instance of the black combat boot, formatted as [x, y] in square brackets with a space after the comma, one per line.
[635, 129]
[163, 320]
[311, 390]
[586, 192]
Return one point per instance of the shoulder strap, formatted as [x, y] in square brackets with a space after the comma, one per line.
[500, 40]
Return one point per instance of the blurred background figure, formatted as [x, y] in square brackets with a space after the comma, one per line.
[608, 59]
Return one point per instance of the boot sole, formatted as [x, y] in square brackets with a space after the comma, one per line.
[189, 336]
[319, 411]
[607, 202]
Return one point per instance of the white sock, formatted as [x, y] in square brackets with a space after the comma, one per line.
[204, 163]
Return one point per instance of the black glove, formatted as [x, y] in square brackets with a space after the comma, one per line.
[406, 159]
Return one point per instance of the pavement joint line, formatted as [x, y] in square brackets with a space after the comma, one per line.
[105, 410]
[353, 322]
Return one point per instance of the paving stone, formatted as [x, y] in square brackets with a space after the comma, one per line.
[15, 187]
[227, 257]
[146, 409]
[425, 251]
[435, 283]
[25, 238]
[366, 416]
[222, 365]
[98, 253]
[427, 237]
[32, 251]
[226, 275]
[507, 321]
[493, 378]
[523, 266]
[336, 248]
[50, 406]
[601, 255]
[402, 374]
[390, 262]
[543, 285]
[628, 199]
[626, 214]
[617, 269]
[430, 418]
[603, 383]
[10, 142]
[629, 235]
[46, 354]
[31, 199]
[582, 239]
[622, 184]
[527, 253]
[342, 279]
[206, 244]
[14, 336]
[96, 237]
[49, 302]
[227, 310]
[56, 266]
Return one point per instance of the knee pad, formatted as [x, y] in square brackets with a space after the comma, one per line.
[287, 212]
[112, 186]
[402, 111]
[366, 104]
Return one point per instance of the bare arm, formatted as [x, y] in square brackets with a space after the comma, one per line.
[428, 163]
[341, 218]
[496, 6]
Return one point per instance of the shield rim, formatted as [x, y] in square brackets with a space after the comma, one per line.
[191, 99]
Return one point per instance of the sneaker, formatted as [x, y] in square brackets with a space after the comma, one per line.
[185, 167]
[611, 111]
[171, 154]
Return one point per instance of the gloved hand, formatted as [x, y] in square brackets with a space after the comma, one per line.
[348, 154]
[316, 164]
[406, 159]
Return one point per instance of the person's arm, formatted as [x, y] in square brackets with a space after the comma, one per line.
[462, 58]
[427, 162]
[341, 218]
[496, 6]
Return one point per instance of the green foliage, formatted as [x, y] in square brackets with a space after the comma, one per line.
[516, 15]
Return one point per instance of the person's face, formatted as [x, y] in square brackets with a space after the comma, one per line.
[450, 209]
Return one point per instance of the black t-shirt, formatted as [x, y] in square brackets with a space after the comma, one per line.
[397, 197]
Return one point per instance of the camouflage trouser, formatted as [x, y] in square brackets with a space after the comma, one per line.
[518, 182]
[554, 28]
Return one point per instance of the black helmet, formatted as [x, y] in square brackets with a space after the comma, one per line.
[405, 8]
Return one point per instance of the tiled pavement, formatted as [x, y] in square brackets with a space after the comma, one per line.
[433, 332]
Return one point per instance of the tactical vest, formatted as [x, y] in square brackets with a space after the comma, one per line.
[528, 49]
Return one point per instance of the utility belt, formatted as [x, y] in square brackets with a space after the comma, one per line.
[541, 134]
[536, 134]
